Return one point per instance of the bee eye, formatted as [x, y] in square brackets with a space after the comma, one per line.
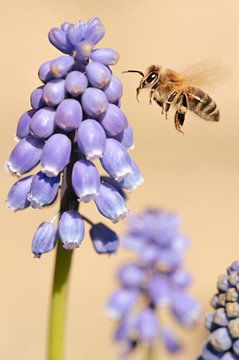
[150, 78]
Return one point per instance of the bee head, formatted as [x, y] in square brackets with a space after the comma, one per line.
[149, 79]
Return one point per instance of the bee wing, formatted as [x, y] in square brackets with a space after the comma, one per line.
[205, 74]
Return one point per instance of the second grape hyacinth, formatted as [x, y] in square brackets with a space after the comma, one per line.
[74, 120]
[223, 322]
[151, 283]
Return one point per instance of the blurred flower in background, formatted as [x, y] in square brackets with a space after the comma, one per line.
[223, 322]
[75, 119]
[153, 282]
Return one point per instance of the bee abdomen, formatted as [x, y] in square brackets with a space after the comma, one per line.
[203, 105]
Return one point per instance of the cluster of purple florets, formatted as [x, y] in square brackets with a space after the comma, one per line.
[223, 322]
[154, 281]
[75, 119]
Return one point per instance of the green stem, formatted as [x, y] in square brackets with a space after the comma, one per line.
[58, 304]
[56, 339]
[149, 353]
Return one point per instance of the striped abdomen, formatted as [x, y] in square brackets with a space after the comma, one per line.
[202, 105]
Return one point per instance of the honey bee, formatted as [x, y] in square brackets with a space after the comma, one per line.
[183, 90]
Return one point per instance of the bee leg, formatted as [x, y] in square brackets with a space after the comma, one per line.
[182, 107]
[151, 96]
[168, 103]
[178, 121]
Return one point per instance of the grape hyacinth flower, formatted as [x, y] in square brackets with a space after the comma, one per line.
[223, 321]
[75, 121]
[154, 282]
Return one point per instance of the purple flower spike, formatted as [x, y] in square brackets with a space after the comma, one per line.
[105, 56]
[76, 83]
[59, 39]
[98, 74]
[71, 229]
[121, 302]
[54, 92]
[23, 126]
[66, 130]
[132, 181]
[114, 90]
[223, 321]
[105, 241]
[113, 121]
[17, 196]
[95, 33]
[91, 139]
[56, 154]
[42, 124]
[61, 66]
[158, 287]
[116, 160]
[147, 326]
[68, 115]
[45, 239]
[94, 102]
[131, 275]
[43, 190]
[44, 72]
[36, 98]
[85, 180]
[110, 203]
[25, 155]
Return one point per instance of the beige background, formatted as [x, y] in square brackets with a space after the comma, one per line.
[196, 174]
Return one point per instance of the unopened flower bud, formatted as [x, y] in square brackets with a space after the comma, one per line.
[113, 121]
[76, 83]
[36, 98]
[54, 92]
[42, 124]
[105, 56]
[91, 139]
[61, 65]
[94, 102]
[68, 115]
[59, 39]
[23, 126]
[114, 89]
[98, 74]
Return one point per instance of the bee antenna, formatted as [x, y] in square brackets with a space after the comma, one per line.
[134, 71]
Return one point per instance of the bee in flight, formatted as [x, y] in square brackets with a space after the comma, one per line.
[183, 90]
